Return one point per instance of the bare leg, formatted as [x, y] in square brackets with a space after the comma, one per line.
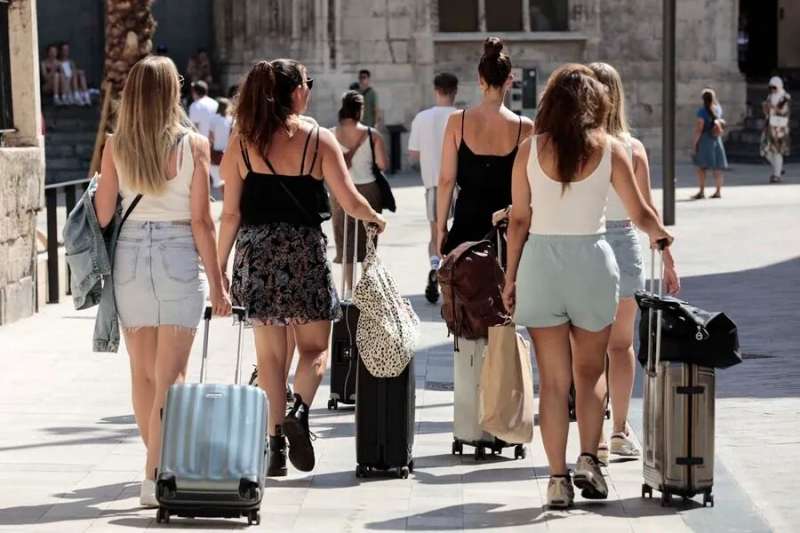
[701, 179]
[141, 346]
[718, 178]
[432, 251]
[588, 362]
[348, 279]
[555, 377]
[81, 81]
[312, 345]
[291, 345]
[172, 355]
[271, 360]
[621, 362]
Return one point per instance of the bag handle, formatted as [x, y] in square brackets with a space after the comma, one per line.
[239, 315]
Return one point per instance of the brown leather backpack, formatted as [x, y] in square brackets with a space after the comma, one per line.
[472, 283]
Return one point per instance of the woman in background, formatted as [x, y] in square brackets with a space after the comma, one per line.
[708, 150]
[775, 140]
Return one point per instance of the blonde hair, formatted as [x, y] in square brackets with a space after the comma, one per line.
[617, 120]
[149, 123]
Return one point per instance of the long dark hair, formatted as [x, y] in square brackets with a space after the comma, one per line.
[495, 65]
[265, 100]
[710, 102]
[573, 104]
[352, 106]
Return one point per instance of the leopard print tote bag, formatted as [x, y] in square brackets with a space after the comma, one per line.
[388, 327]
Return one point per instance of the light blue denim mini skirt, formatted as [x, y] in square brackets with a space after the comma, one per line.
[567, 278]
[157, 276]
[622, 236]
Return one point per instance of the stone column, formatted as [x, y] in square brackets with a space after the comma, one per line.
[24, 44]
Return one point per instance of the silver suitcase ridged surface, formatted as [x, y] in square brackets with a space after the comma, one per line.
[213, 447]
[678, 423]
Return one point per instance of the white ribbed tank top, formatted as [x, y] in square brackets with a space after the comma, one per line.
[617, 211]
[580, 210]
[174, 202]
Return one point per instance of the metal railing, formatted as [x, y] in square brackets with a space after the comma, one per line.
[72, 190]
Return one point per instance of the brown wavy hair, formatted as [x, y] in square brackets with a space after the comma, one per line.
[264, 102]
[573, 104]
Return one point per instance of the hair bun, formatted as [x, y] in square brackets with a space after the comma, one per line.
[492, 46]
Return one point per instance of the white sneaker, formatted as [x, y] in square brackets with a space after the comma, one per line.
[589, 478]
[602, 453]
[147, 496]
[560, 494]
[622, 444]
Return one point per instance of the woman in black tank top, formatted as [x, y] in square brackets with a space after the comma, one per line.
[478, 154]
[275, 201]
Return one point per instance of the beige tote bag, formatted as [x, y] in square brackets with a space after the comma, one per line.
[506, 387]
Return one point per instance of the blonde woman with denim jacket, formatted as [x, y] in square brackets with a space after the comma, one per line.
[159, 286]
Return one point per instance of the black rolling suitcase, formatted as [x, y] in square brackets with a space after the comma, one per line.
[344, 353]
[385, 422]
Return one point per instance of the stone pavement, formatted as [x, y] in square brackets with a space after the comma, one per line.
[71, 458]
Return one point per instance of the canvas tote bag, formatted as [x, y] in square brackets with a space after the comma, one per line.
[506, 387]
[388, 327]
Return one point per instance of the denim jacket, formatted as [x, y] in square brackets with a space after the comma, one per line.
[89, 253]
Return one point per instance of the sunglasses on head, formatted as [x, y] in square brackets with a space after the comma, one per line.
[309, 83]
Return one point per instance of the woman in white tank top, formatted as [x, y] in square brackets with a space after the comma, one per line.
[622, 237]
[563, 285]
[159, 286]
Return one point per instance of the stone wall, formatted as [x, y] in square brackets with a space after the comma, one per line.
[398, 41]
[21, 169]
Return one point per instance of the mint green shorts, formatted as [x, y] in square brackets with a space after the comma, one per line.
[567, 278]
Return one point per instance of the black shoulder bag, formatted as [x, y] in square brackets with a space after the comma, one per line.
[387, 197]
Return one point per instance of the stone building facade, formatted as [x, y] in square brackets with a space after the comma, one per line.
[21, 165]
[405, 42]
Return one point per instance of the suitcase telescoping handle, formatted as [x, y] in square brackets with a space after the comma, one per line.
[238, 317]
[348, 295]
[654, 352]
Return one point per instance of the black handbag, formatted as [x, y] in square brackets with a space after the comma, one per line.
[387, 197]
[688, 334]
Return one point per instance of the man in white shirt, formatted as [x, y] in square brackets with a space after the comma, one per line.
[203, 107]
[425, 144]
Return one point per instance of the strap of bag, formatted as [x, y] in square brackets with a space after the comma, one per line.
[130, 209]
[371, 145]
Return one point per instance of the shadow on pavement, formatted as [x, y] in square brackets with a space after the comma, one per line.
[107, 436]
[78, 505]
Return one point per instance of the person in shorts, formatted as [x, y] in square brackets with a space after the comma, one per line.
[425, 145]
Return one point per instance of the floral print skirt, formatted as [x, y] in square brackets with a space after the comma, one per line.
[281, 275]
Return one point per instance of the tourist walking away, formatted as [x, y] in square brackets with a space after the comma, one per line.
[51, 75]
[622, 236]
[478, 151]
[372, 114]
[219, 132]
[199, 67]
[708, 151]
[359, 155]
[275, 203]
[74, 90]
[202, 109]
[425, 145]
[775, 140]
[160, 170]
[562, 278]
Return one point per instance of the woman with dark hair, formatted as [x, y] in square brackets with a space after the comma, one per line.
[275, 201]
[562, 278]
[354, 138]
[707, 148]
[478, 152]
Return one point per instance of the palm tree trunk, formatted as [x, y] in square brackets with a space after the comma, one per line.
[129, 37]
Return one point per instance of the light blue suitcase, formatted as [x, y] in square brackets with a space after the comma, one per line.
[213, 446]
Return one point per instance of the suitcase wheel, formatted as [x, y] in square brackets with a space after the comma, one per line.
[411, 466]
[480, 453]
[332, 404]
[254, 518]
[647, 491]
[608, 414]
[666, 499]
[361, 471]
[162, 515]
[402, 472]
[520, 452]
[708, 499]
[458, 448]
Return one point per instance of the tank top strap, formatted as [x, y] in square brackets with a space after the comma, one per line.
[463, 118]
[185, 156]
[305, 148]
[245, 155]
[519, 130]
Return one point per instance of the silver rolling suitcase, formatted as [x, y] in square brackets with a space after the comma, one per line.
[678, 420]
[213, 446]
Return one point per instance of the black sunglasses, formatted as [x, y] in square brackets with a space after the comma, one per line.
[309, 83]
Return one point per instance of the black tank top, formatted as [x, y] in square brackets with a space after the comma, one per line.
[299, 200]
[484, 183]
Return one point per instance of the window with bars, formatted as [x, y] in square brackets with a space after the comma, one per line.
[503, 15]
[6, 111]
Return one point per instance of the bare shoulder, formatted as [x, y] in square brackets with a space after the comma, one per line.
[527, 126]
[638, 148]
[327, 139]
[198, 142]
[309, 119]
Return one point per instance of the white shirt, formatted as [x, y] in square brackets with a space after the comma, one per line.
[426, 137]
[361, 163]
[221, 128]
[200, 113]
[580, 210]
